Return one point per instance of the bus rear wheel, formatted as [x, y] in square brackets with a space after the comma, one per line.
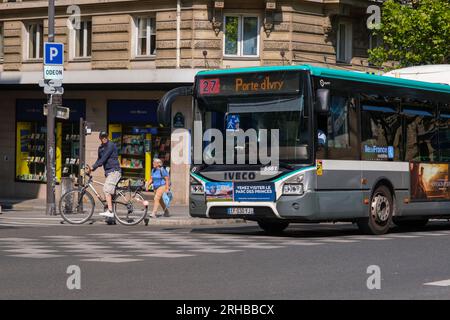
[411, 223]
[380, 212]
[273, 227]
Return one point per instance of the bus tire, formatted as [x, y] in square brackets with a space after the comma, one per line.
[410, 223]
[381, 210]
[273, 227]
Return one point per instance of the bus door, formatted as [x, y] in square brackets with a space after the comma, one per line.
[339, 170]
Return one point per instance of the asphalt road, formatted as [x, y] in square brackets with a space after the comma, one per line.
[222, 262]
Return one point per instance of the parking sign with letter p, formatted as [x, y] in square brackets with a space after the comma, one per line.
[53, 53]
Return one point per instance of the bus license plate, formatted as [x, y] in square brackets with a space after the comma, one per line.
[241, 211]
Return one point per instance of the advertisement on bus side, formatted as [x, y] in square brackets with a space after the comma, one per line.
[429, 181]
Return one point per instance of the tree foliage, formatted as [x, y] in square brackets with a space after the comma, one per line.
[413, 34]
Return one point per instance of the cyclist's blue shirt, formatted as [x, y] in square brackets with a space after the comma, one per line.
[158, 176]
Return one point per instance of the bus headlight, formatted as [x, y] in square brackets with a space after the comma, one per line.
[293, 189]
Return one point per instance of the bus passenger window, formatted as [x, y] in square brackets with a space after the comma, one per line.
[381, 134]
[444, 137]
[421, 136]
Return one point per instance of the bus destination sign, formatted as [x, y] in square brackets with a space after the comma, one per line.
[251, 83]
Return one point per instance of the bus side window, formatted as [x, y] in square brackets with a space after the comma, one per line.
[421, 135]
[340, 129]
[381, 131]
[444, 136]
[322, 142]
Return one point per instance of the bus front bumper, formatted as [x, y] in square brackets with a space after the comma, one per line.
[286, 207]
[312, 206]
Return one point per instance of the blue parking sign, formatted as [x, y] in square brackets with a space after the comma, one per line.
[53, 53]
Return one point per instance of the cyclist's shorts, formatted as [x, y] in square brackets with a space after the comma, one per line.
[111, 181]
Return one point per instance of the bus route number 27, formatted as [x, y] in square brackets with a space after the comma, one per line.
[209, 86]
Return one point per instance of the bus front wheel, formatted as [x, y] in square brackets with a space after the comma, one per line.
[380, 212]
[273, 227]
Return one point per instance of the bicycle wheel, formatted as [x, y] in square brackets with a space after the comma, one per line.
[130, 208]
[76, 206]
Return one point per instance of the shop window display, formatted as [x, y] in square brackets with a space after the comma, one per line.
[137, 146]
[31, 136]
[70, 150]
[31, 151]
[134, 130]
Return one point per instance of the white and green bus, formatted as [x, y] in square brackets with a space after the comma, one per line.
[351, 147]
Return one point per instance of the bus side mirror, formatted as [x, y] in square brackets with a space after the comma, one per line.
[322, 104]
[164, 110]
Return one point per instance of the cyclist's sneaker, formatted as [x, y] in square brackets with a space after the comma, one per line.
[107, 214]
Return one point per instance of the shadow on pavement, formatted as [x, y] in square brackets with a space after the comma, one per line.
[316, 230]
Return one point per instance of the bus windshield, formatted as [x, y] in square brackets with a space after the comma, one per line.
[261, 119]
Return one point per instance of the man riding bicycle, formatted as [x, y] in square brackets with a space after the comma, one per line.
[108, 157]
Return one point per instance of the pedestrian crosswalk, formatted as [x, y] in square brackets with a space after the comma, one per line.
[442, 283]
[141, 246]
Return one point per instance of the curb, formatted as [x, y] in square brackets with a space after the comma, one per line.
[20, 207]
[17, 212]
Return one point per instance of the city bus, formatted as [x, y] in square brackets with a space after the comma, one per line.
[350, 147]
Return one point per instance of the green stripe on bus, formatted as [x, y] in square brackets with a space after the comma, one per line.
[293, 173]
[198, 177]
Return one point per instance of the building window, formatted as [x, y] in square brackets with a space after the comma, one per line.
[241, 36]
[145, 39]
[2, 37]
[35, 35]
[81, 40]
[344, 42]
[374, 41]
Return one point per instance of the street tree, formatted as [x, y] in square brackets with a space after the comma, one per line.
[413, 33]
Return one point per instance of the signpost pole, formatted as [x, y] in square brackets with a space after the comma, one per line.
[51, 150]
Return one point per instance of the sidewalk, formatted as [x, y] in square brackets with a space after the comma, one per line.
[34, 210]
